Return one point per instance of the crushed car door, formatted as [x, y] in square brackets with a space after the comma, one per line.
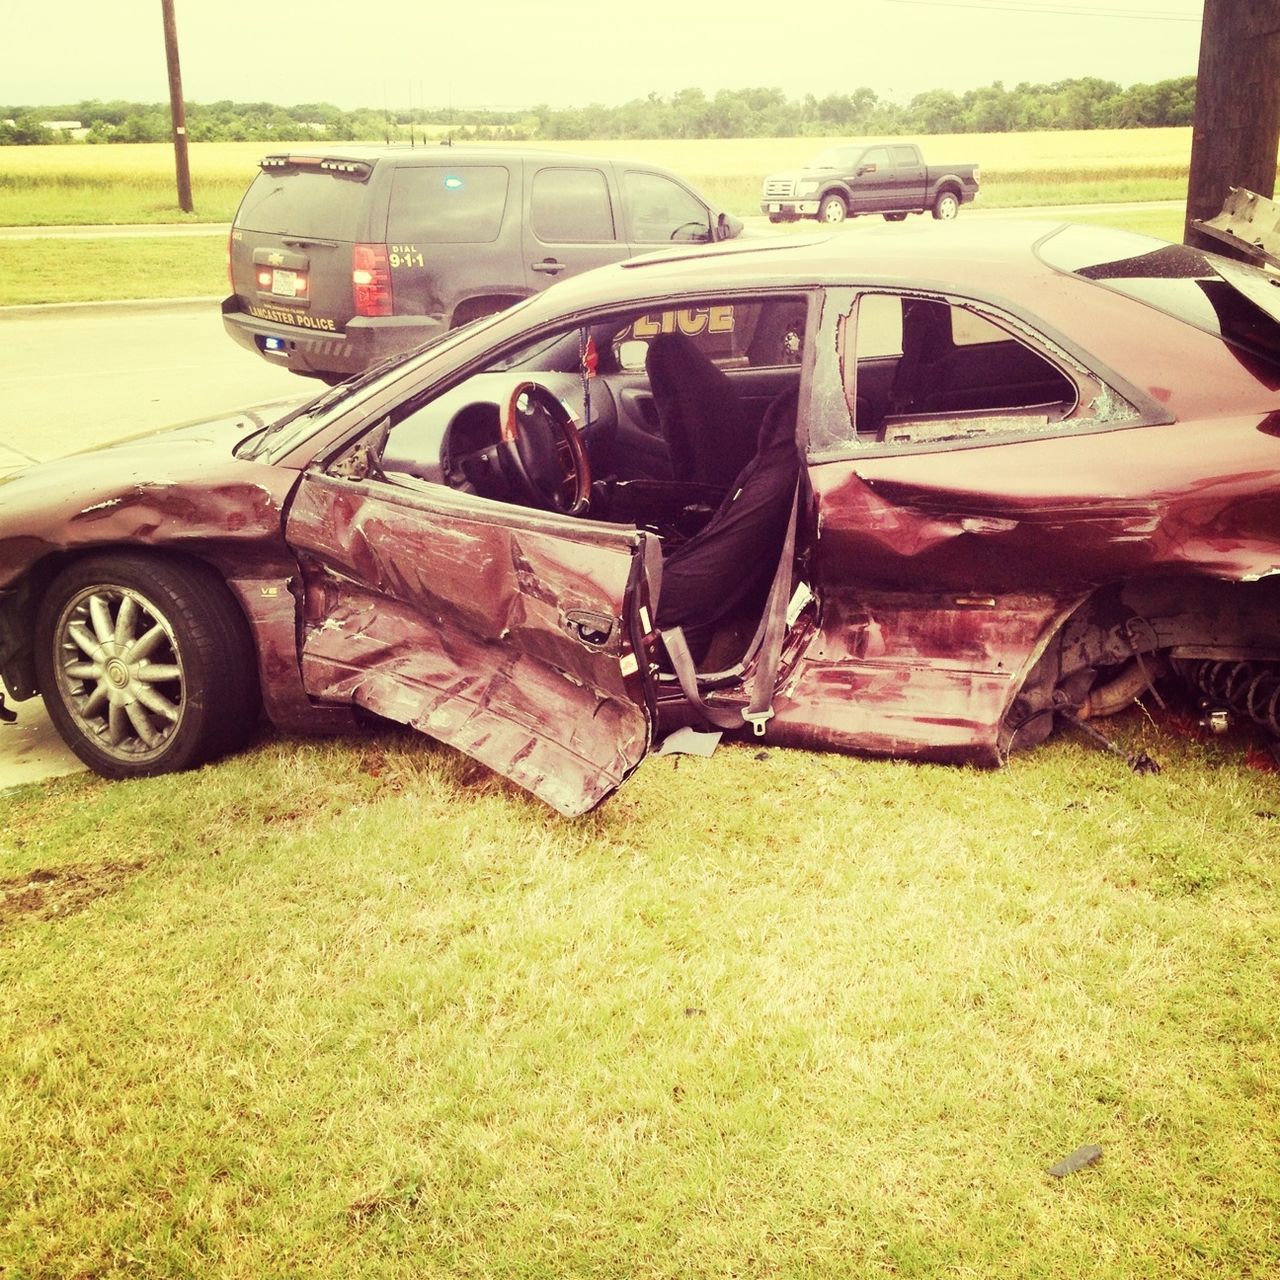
[513, 635]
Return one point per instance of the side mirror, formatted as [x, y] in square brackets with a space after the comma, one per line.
[631, 354]
[866, 168]
[727, 227]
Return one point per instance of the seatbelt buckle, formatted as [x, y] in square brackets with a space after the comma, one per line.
[757, 719]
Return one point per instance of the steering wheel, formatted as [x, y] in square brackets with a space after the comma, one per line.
[684, 226]
[545, 448]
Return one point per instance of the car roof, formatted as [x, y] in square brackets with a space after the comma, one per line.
[986, 257]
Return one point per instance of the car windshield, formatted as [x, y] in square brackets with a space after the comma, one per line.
[1231, 300]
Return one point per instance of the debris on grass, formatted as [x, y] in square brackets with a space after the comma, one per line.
[1080, 1159]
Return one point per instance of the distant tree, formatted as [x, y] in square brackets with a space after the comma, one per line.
[25, 131]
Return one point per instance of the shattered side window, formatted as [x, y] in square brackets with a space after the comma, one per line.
[931, 370]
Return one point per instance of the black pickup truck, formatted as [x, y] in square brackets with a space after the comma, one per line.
[877, 177]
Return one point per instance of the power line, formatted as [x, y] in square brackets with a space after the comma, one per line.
[1056, 10]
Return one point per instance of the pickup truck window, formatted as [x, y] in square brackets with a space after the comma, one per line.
[571, 206]
[878, 156]
[905, 156]
[835, 158]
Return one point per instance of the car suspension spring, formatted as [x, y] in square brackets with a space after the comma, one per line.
[1249, 689]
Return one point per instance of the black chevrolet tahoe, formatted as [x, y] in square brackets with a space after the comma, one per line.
[890, 178]
[340, 256]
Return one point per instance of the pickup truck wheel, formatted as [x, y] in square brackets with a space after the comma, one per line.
[832, 209]
[946, 206]
[895, 217]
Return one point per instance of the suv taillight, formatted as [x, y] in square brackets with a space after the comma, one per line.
[371, 280]
[231, 284]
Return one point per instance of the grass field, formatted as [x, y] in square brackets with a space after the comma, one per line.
[73, 186]
[360, 1009]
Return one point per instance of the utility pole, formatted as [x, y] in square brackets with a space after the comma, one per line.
[1237, 120]
[176, 108]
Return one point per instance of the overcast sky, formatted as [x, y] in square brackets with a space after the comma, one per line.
[569, 53]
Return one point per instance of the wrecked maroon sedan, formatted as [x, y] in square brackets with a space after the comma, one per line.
[921, 495]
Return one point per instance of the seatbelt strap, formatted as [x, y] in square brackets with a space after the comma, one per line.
[759, 709]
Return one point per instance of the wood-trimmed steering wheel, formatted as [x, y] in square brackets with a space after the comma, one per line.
[545, 449]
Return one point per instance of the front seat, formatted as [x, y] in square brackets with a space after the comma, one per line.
[729, 564]
[926, 340]
[700, 415]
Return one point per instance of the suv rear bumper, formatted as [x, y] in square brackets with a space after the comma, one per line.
[366, 341]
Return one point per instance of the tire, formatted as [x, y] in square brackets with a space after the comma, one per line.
[776, 217]
[189, 695]
[895, 217]
[832, 209]
[946, 206]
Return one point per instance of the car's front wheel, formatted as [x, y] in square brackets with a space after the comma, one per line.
[146, 665]
[832, 209]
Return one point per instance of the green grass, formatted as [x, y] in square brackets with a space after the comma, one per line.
[89, 270]
[361, 1009]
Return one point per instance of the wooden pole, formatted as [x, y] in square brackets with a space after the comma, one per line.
[1237, 120]
[176, 108]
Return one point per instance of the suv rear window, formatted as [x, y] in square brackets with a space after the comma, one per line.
[439, 204]
[302, 202]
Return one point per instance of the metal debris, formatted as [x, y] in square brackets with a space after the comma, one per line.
[1076, 1161]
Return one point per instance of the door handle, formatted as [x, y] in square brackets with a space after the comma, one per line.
[590, 629]
[548, 266]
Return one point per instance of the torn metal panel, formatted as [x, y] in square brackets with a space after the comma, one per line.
[273, 613]
[1248, 222]
[511, 644]
[930, 680]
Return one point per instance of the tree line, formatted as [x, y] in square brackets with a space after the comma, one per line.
[1086, 103]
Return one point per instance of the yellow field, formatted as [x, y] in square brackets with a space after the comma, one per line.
[70, 185]
[1113, 149]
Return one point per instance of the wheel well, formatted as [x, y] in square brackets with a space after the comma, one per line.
[20, 603]
[473, 308]
[1147, 621]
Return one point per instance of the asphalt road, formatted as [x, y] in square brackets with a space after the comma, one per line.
[75, 377]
